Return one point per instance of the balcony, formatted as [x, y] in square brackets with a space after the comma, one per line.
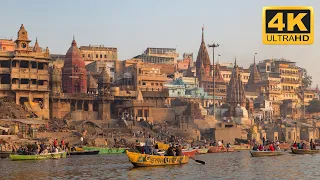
[43, 77]
[42, 71]
[24, 86]
[15, 86]
[33, 87]
[290, 81]
[42, 87]
[4, 70]
[4, 86]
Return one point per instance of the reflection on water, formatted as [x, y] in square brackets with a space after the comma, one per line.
[237, 165]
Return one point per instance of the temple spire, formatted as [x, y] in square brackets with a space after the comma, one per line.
[203, 33]
[235, 61]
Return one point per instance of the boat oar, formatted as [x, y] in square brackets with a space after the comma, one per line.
[198, 161]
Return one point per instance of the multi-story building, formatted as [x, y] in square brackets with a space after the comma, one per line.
[159, 56]
[288, 72]
[97, 66]
[24, 73]
[226, 71]
[184, 63]
[99, 53]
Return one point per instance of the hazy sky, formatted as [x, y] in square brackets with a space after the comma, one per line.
[134, 25]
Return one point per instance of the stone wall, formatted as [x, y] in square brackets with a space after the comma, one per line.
[228, 135]
[84, 115]
[161, 115]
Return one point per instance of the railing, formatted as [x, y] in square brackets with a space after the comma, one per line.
[42, 87]
[24, 86]
[5, 86]
[4, 70]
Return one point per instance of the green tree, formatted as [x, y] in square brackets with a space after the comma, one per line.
[306, 79]
[314, 106]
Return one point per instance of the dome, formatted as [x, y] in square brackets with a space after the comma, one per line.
[74, 57]
[104, 77]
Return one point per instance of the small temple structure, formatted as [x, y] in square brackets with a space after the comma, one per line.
[74, 73]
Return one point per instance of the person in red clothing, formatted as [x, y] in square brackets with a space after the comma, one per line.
[260, 147]
[271, 147]
[294, 145]
[55, 143]
[62, 144]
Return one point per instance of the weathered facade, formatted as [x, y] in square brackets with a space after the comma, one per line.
[24, 74]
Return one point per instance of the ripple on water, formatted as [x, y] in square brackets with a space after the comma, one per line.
[237, 165]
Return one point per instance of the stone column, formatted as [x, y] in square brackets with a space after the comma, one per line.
[90, 106]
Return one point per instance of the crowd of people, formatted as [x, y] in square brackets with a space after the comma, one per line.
[303, 145]
[273, 146]
[36, 148]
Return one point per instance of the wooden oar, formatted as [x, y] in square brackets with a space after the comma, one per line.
[198, 161]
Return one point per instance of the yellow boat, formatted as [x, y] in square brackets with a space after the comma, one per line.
[145, 160]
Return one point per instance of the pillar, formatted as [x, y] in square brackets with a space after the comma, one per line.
[90, 106]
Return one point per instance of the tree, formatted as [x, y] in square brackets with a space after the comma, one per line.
[314, 106]
[306, 79]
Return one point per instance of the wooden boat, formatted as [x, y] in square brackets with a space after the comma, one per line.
[103, 150]
[304, 151]
[284, 146]
[17, 157]
[145, 160]
[4, 154]
[265, 153]
[202, 151]
[216, 149]
[92, 152]
[189, 152]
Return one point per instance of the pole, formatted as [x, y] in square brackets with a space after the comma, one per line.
[213, 45]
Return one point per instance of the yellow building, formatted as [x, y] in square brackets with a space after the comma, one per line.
[98, 53]
[24, 74]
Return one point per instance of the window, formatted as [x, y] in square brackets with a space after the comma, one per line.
[82, 55]
[139, 112]
[105, 56]
[157, 84]
[88, 55]
[100, 55]
[143, 83]
[152, 84]
[97, 56]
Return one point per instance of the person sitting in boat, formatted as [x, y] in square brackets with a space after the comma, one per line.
[228, 145]
[255, 147]
[312, 145]
[219, 143]
[271, 147]
[170, 151]
[295, 145]
[277, 148]
[179, 151]
[304, 146]
[261, 148]
[156, 149]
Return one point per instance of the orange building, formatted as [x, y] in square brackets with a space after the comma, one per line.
[7, 45]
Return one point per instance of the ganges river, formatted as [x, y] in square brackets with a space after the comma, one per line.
[236, 165]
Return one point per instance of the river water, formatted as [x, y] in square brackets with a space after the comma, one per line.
[236, 165]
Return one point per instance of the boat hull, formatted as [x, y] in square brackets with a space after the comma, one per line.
[92, 152]
[265, 153]
[145, 160]
[241, 147]
[105, 150]
[304, 151]
[4, 154]
[16, 157]
[189, 153]
[216, 149]
[203, 151]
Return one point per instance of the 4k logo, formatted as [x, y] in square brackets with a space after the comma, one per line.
[287, 25]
